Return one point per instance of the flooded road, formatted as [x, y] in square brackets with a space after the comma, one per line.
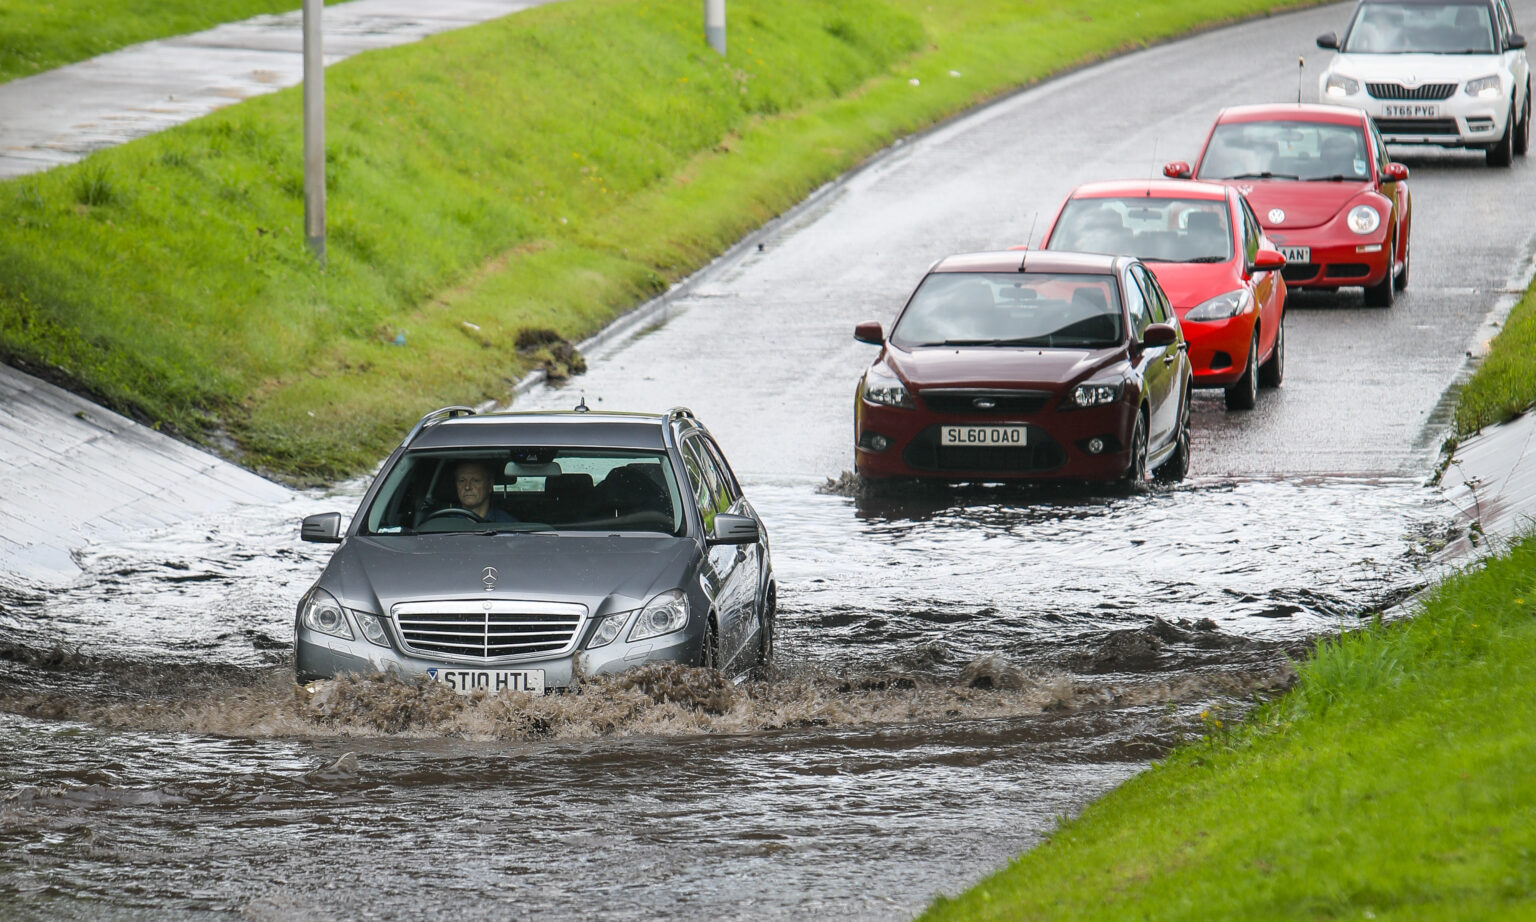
[957, 670]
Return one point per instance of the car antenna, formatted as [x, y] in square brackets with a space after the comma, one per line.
[1034, 219]
[582, 406]
[1301, 69]
[1152, 172]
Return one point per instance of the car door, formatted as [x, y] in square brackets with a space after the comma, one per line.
[729, 570]
[1155, 364]
[1268, 287]
[1516, 64]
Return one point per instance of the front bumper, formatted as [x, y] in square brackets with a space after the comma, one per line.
[1361, 262]
[1218, 349]
[323, 656]
[1055, 450]
[1459, 121]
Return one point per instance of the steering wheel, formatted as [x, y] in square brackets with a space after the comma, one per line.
[453, 510]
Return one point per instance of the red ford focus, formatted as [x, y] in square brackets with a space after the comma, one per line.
[1027, 366]
[1319, 181]
[1210, 255]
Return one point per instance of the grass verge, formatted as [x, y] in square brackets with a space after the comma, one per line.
[37, 35]
[1392, 782]
[540, 173]
[1504, 384]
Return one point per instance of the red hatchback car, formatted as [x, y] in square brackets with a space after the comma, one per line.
[1027, 366]
[1210, 255]
[1320, 182]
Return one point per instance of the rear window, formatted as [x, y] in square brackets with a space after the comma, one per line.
[1011, 309]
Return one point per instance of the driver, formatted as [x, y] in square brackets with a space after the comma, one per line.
[473, 480]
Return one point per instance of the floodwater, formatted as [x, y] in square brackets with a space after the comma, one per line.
[957, 671]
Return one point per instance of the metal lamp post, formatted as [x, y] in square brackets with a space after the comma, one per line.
[314, 132]
[714, 24]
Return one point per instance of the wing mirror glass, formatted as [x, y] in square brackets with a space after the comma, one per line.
[1328, 40]
[733, 529]
[324, 528]
[1177, 169]
[1160, 334]
[1268, 260]
[870, 332]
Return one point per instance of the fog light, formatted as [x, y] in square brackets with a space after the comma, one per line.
[1095, 446]
[874, 441]
[1369, 248]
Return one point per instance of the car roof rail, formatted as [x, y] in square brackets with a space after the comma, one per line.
[681, 413]
[436, 416]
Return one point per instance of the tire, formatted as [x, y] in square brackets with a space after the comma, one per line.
[767, 619]
[1136, 470]
[1244, 392]
[1176, 468]
[709, 656]
[1502, 153]
[1402, 277]
[1272, 372]
[1382, 293]
[1522, 142]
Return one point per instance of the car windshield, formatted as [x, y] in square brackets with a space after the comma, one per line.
[536, 489]
[1155, 229]
[1422, 28]
[1286, 150]
[1011, 309]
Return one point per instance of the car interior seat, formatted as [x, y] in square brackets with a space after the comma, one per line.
[631, 489]
[1204, 235]
[567, 498]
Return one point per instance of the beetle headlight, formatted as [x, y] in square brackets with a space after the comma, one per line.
[1485, 88]
[1222, 306]
[886, 391]
[664, 614]
[1094, 395]
[320, 612]
[1363, 219]
[1337, 86]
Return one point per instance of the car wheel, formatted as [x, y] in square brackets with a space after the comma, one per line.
[1136, 470]
[1381, 294]
[1176, 468]
[765, 625]
[1244, 392]
[709, 657]
[1523, 136]
[1502, 153]
[1402, 277]
[1272, 372]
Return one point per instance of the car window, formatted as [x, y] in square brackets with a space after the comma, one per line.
[1157, 303]
[727, 476]
[1420, 28]
[710, 494]
[1285, 150]
[1046, 309]
[532, 489]
[1253, 234]
[1506, 18]
[1136, 306]
[1153, 229]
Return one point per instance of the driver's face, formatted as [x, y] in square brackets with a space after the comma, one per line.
[474, 486]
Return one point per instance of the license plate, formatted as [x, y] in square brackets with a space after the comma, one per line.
[982, 435]
[1412, 111]
[492, 681]
[1296, 254]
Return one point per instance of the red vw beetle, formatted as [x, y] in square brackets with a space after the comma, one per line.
[1209, 253]
[1319, 181]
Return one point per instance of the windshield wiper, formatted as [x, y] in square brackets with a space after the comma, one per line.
[1023, 341]
[1265, 175]
[1201, 259]
[961, 342]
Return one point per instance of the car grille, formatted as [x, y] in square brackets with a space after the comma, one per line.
[1418, 126]
[1298, 272]
[924, 453]
[1348, 271]
[983, 400]
[1398, 91]
[483, 629]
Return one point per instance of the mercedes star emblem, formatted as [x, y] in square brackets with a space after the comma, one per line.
[488, 576]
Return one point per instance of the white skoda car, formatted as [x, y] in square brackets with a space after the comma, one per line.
[1446, 72]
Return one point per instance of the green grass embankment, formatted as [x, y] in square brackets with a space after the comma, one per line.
[546, 171]
[37, 35]
[1504, 384]
[1393, 782]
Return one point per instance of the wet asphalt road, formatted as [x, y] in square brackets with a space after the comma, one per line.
[959, 669]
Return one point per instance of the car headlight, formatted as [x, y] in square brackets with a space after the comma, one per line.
[1222, 306]
[323, 614]
[1363, 219]
[607, 630]
[1338, 86]
[664, 614]
[1094, 395]
[1485, 88]
[886, 391]
[372, 627]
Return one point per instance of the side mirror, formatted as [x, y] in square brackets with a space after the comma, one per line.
[1396, 172]
[1514, 42]
[1160, 334]
[869, 332]
[324, 528]
[734, 529]
[1177, 169]
[1268, 260]
[1328, 40]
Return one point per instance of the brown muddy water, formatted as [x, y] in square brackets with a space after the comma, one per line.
[957, 672]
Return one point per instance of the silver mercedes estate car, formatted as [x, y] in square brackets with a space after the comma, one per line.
[521, 550]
